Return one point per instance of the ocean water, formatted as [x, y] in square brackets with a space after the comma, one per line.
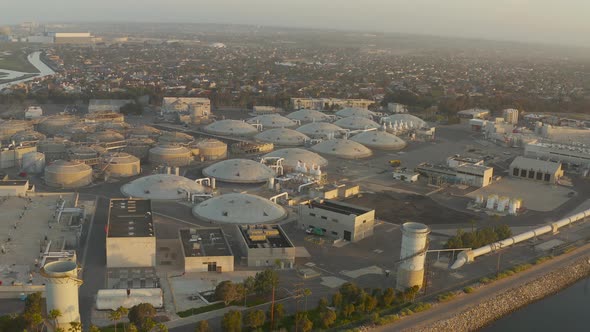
[566, 311]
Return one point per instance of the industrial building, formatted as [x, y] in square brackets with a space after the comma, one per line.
[571, 154]
[103, 105]
[206, 250]
[131, 238]
[464, 173]
[265, 245]
[72, 37]
[337, 219]
[536, 170]
[324, 103]
[510, 115]
[474, 113]
[15, 187]
[198, 109]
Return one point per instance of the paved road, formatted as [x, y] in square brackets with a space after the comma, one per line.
[452, 308]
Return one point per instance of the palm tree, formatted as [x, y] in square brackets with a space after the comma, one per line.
[75, 327]
[161, 328]
[54, 314]
[306, 293]
[123, 312]
[114, 316]
[37, 320]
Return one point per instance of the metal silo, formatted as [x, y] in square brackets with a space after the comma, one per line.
[212, 149]
[410, 272]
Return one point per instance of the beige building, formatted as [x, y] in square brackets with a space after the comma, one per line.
[265, 245]
[198, 109]
[131, 238]
[323, 103]
[15, 187]
[337, 219]
[13, 156]
[206, 250]
[471, 174]
[510, 115]
[536, 170]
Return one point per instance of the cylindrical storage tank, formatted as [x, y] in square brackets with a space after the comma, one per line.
[61, 291]
[78, 132]
[68, 174]
[53, 148]
[175, 138]
[170, 155]
[512, 207]
[11, 127]
[56, 124]
[143, 132]
[212, 149]
[120, 164]
[139, 147]
[195, 149]
[492, 200]
[27, 136]
[413, 254]
[33, 162]
[105, 136]
[82, 153]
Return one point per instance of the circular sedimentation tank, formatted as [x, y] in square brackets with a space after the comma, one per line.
[170, 137]
[56, 124]
[231, 128]
[170, 155]
[380, 140]
[78, 132]
[239, 171]
[119, 127]
[291, 156]
[343, 148]
[11, 127]
[348, 112]
[139, 147]
[320, 130]
[143, 132]
[162, 187]
[105, 136]
[120, 164]
[272, 121]
[27, 136]
[282, 136]
[356, 122]
[212, 149]
[104, 116]
[237, 208]
[68, 174]
[309, 116]
[53, 148]
[407, 118]
[84, 152]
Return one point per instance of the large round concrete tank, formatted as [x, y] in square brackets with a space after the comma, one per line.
[27, 136]
[175, 138]
[105, 136]
[143, 132]
[33, 162]
[212, 149]
[78, 132]
[61, 291]
[120, 164]
[83, 153]
[56, 124]
[170, 155]
[53, 148]
[104, 116]
[139, 147]
[413, 254]
[68, 174]
[11, 127]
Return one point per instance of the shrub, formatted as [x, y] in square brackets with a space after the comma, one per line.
[543, 259]
[445, 296]
[420, 306]
[468, 289]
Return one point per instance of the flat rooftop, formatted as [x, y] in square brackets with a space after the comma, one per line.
[265, 236]
[130, 218]
[199, 242]
[10, 183]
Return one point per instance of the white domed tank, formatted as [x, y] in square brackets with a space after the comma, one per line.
[231, 128]
[162, 187]
[33, 162]
[282, 136]
[11, 127]
[240, 208]
[120, 164]
[309, 116]
[343, 148]
[359, 112]
[139, 147]
[356, 122]
[212, 149]
[105, 136]
[239, 171]
[170, 155]
[68, 174]
[320, 130]
[104, 116]
[53, 148]
[272, 121]
[380, 140]
[293, 156]
[56, 124]
[27, 136]
[175, 138]
[143, 132]
[406, 118]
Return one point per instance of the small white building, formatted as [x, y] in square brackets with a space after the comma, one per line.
[33, 112]
[15, 187]
[403, 174]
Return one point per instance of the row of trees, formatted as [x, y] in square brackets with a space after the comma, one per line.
[255, 320]
[261, 284]
[478, 238]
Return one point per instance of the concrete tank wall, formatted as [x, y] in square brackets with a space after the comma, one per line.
[33, 162]
[170, 156]
[413, 254]
[61, 290]
[120, 164]
[64, 174]
[212, 149]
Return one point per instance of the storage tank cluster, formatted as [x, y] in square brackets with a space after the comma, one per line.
[500, 203]
[10, 127]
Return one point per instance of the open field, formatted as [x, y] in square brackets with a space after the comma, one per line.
[14, 57]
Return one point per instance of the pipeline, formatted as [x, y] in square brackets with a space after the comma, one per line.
[470, 255]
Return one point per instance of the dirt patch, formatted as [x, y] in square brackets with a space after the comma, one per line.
[398, 208]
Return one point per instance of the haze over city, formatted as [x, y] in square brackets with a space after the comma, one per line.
[543, 21]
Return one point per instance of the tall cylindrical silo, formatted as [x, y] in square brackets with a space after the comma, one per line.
[413, 254]
[61, 290]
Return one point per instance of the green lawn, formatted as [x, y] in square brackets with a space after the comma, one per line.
[17, 60]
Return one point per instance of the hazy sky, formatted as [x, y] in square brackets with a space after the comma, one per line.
[550, 21]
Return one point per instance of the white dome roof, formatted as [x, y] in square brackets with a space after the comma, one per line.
[379, 140]
[348, 112]
[343, 148]
[356, 122]
[239, 171]
[419, 123]
[272, 121]
[319, 129]
[161, 186]
[239, 209]
[293, 155]
[308, 116]
[282, 136]
[231, 127]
